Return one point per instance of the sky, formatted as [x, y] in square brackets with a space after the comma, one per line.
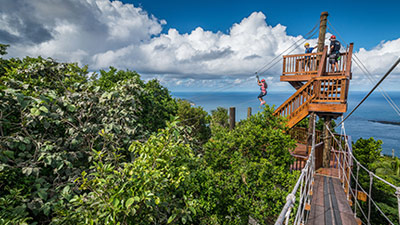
[200, 45]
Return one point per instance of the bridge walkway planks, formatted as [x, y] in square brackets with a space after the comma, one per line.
[329, 204]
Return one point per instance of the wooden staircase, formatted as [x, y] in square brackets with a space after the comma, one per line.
[325, 91]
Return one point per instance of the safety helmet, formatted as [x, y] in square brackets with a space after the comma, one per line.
[332, 37]
[262, 80]
[306, 44]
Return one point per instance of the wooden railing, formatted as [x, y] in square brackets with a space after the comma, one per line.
[331, 89]
[344, 64]
[316, 64]
[300, 98]
[301, 64]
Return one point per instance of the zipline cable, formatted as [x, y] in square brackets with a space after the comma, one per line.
[295, 43]
[370, 92]
[270, 64]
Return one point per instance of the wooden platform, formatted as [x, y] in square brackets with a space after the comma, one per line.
[301, 149]
[329, 204]
[328, 172]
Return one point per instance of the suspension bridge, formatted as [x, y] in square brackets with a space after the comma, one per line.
[328, 190]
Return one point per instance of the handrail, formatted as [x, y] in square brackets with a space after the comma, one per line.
[316, 64]
[325, 89]
[301, 64]
[305, 183]
[306, 54]
[295, 95]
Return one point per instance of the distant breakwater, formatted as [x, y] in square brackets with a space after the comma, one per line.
[385, 122]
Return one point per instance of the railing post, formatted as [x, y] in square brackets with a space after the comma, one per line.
[398, 200]
[248, 112]
[348, 63]
[322, 62]
[232, 119]
[371, 179]
[284, 66]
[311, 121]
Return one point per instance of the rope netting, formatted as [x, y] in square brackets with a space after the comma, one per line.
[347, 175]
[294, 212]
[303, 189]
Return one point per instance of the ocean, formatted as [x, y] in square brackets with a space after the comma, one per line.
[359, 124]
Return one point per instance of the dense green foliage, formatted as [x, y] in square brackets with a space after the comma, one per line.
[197, 119]
[250, 171]
[368, 153]
[113, 149]
[219, 117]
[3, 49]
[51, 117]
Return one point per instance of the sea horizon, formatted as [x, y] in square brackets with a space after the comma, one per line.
[365, 122]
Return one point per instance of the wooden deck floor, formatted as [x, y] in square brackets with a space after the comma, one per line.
[301, 150]
[329, 204]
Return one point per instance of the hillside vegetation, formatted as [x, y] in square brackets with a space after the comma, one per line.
[109, 148]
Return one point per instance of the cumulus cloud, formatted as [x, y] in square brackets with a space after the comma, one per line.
[103, 33]
[73, 30]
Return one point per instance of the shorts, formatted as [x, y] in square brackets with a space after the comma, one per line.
[262, 94]
[333, 58]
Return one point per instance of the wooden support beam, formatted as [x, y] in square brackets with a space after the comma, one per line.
[322, 31]
[327, 142]
[329, 108]
[232, 119]
[249, 112]
[348, 63]
[298, 77]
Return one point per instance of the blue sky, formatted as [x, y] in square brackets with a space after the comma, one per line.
[199, 45]
[365, 22]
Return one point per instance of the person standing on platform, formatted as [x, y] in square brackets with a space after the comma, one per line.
[307, 59]
[334, 53]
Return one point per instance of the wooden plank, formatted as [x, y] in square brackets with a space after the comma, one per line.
[334, 203]
[327, 101]
[335, 76]
[317, 205]
[337, 108]
[345, 211]
[304, 77]
[300, 114]
[348, 64]
[321, 67]
[302, 55]
[316, 216]
[327, 205]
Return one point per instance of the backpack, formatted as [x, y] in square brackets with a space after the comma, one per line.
[336, 45]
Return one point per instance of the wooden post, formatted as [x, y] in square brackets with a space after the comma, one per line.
[322, 31]
[321, 47]
[248, 112]
[348, 63]
[327, 142]
[232, 118]
[311, 121]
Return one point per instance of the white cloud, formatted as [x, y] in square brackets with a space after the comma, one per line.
[101, 33]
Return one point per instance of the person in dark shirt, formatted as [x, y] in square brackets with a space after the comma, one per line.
[334, 53]
[307, 60]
